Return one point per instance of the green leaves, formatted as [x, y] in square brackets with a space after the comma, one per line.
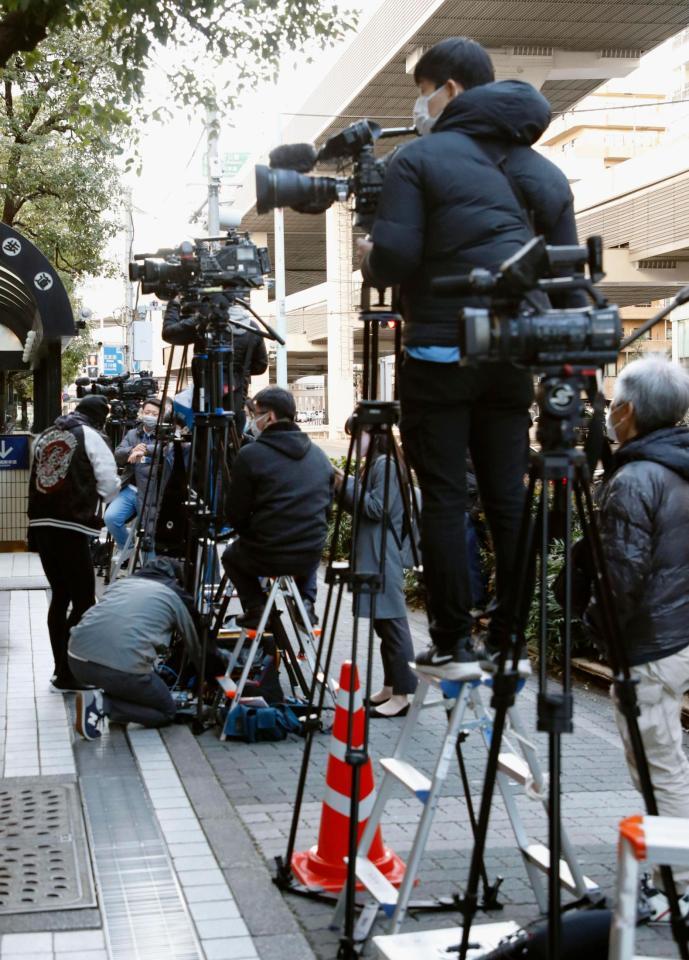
[252, 34]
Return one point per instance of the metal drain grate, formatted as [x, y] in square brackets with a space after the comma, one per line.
[44, 861]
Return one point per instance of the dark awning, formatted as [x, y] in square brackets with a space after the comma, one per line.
[32, 295]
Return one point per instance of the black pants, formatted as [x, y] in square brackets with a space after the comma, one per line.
[396, 650]
[66, 559]
[245, 569]
[447, 409]
[128, 697]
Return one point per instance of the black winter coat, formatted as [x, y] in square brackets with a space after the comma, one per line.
[279, 499]
[447, 206]
[73, 470]
[644, 514]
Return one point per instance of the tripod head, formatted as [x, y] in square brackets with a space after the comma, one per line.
[560, 395]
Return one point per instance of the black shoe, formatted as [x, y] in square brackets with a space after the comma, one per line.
[489, 655]
[457, 663]
[311, 612]
[250, 619]
[375, 714]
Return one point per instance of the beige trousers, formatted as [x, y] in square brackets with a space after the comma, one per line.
[662, 684]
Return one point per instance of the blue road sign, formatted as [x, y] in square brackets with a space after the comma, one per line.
[14, 452]
[113, 361]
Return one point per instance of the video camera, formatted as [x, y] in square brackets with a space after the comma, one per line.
[518, 324]
[234, 263]
[125, 392]
[284, 183]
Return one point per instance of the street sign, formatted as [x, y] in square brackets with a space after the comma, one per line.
[232, 163]
[113, 361]
[14, 452]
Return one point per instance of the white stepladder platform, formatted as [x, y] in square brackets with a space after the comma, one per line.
[656, 840]
[518, 773]
[434, 944]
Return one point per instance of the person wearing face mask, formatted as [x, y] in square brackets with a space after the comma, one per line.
[469, 192]
[72, 474]
[644, 526]
[278, 503]
[133, 456]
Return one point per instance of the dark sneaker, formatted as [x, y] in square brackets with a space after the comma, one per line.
[458, 663]
[656, 905]
[250, 619]
[489, 655]
[90, 715]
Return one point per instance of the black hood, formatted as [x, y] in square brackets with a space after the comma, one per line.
[507, 110]
[287, 439]
[170, 573]
[668, 447]
[71, 420]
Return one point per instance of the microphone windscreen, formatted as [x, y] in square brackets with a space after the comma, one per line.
[294, 156]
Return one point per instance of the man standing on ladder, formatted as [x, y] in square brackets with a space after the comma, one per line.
[464, 195]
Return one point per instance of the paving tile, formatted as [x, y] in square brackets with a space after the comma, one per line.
[79, 940]
[239, 948]
[221, 927]
[28, 942]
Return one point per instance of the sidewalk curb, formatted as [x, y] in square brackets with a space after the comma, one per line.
[271, 923]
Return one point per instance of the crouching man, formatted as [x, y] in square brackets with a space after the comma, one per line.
[644, 517]
[115, 647]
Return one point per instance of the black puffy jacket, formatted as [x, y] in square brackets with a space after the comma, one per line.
[447, 205]
[279, 498]
[644, 514]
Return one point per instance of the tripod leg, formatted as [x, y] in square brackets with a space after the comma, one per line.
[504, 690]
[490, 891]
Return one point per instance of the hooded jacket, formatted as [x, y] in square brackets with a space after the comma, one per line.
[279, 499]
[644, 519]
[73, 469]
[448, 204]
[134, 622]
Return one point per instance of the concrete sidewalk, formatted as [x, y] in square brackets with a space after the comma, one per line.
[174, 852]
[142, 854]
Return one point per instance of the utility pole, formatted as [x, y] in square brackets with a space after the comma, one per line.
[280, 286]
[214, 172]
[128, 285]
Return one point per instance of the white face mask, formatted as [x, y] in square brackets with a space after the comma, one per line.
[423, 121]
[149, 422]
[254, 428]
[610, 428]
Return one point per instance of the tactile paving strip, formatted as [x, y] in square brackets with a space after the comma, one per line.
[44, 861]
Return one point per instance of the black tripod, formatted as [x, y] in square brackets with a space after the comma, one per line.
[558, 466]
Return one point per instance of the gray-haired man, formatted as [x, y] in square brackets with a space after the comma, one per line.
[644, 515]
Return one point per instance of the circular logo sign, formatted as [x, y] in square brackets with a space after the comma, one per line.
[11, 246]
[43, 281]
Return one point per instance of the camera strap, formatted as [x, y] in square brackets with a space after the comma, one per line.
[498, 156]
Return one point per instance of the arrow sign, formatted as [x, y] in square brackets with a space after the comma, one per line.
[14, 452]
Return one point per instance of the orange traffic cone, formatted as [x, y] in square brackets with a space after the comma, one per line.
[323, 867]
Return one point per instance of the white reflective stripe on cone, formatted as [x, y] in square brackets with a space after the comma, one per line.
[342, 805]
[343, 700]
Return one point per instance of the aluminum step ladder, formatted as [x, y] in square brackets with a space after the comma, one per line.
[282, 588]
[515, 773]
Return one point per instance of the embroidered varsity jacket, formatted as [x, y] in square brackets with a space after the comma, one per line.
[73, 469]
